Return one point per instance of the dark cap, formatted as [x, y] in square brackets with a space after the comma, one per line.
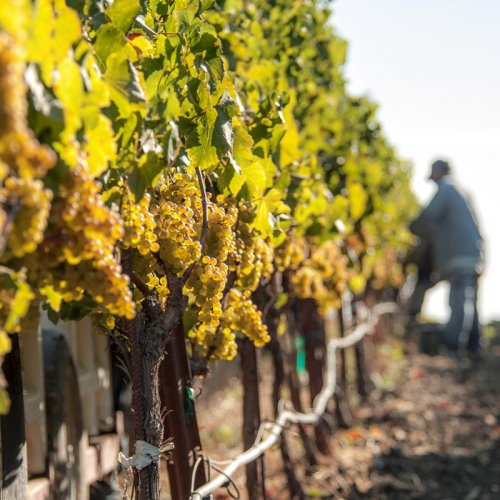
[441, 166]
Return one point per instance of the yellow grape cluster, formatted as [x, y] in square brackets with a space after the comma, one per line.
[24, 201]
[220, 241]
[240, 316]
[80, 252]
[206, 284]
[139, 224]
[291, 253]
[243, 316]
[209, 277]
[31, 202]
[215, 343]
[323, 276]
[177, 214]
[160, 284]
[15, 298]
[253, 258]
[385, 269]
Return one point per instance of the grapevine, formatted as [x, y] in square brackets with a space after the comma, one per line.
[161, 165]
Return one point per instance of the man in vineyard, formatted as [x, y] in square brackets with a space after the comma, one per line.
[451, 227]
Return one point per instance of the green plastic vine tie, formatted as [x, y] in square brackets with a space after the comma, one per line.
[189, 404]
[301, 355]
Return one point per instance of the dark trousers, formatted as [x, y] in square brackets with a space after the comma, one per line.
[416, 301]
[462, 331]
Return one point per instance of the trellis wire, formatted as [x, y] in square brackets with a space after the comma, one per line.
[287, 415]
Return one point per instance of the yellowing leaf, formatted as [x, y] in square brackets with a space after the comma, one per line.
[5, 344]
[18, 306]
[100, 145]
[271, 205]
[54, 29]
[357, 199]
[54, 298]
[14, 18]
[289, 146]
[143, 45]
[123, 13]
[357, 283]
[4, 402]
[69, 90]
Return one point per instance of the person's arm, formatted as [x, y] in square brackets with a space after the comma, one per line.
[431, 214]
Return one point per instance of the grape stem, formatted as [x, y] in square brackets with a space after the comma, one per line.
[204, 207]
[204, 223]
[140, 285]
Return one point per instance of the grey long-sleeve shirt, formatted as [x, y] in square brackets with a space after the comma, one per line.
[450, 224]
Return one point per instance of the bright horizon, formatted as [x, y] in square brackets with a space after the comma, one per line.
[434, 69]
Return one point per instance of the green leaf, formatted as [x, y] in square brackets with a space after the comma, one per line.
[52, 315]
[223, 129]
[183, 20]
[46, 116]
[231, 178]
[124, 83]
[205, 155]
[123, 12]
[270, 206]
[128, 129]
[108, 40]
[205, 5]
[76, 311]
[172, 143]
[144, 174]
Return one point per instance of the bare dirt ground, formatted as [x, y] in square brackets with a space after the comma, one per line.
[422, 434]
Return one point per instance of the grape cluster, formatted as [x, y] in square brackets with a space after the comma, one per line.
[23, 198]
[139, 224]
[170, 224]
[323, 276]
[79, 250]
[32, 205]
[206, 284]
[160, 284]
[215, 343]
[385, 268]
[240, 316]
[209, 277]
[291, 253]
[253, 258]
[177, 212]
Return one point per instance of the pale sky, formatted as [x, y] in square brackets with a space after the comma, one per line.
[434, 68]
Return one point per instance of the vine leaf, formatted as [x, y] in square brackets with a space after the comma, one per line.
[271, 205]
[108, 40]
[144, 174]
[205, 155]
[123, 13]
[124, 83]
[223, 128]
[358, 200]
